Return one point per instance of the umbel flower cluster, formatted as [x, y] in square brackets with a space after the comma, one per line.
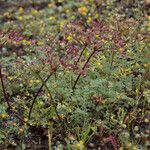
[79, 43]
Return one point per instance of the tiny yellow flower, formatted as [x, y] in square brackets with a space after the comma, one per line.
[10, 78]
[97, 15]
[97, 36]
[14, 124]
[39, 43]
[69, 38]
[120, 148]
[31, 82]
[127, 45]
[27, 93]
[21, 10]
[24, 41]
[49, 94]
[80, 145]
[148, 17]
[134, 148]
[137, 65]
[83, 10]
[128, 145]
[3, 116]
[51, 18]
[89, 20]
[34, 11]
[20, 18]
[98, 64]
[67, 10]
[81, 142]
[86, 54]
[29, 42]
[62, 116]
[26, 119]
[145, 65]
[120, 50]
[62, 24]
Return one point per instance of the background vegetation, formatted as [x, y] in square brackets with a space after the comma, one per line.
[75, 74]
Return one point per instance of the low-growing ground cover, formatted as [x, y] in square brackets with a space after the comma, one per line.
[74, 75]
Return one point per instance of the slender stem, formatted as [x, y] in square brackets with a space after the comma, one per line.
[3, 88]
[35, 97]
[78, 77]
[81, 54]
[53, 104]
[93, 52]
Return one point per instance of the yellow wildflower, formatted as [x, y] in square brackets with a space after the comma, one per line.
[21, 10]
[10, 78]
[69, 38]
[49, 94]
[62, 24]
[20, 18]
[120, 50]
[39, 43]
[97, 15]
[137, 65]
[146, 65]
[83, 10]
[51, 18]
[29, 42]
[34, 11]
[120, 148]
[148, 17]
[67, 10]
[89, 20]
[98, 64]
[127, 45]
[26, 119]
[97, 36]
[31, 82]
[24, 41]
[3, 116]
[128, 145]
[134, 148]
[62, 116]
[80, 145]
[14, 124]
